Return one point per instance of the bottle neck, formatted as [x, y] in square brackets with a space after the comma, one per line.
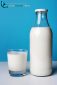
[41, 19]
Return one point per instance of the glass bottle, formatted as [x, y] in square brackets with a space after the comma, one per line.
[41, 45]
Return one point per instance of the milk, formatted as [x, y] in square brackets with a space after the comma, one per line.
[17, 61]
[40, 51]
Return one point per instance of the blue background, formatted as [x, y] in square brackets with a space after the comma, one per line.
[15, 25]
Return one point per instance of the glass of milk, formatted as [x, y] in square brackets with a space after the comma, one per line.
[17, 61]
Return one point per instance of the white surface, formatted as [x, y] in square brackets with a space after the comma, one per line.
[6, 79]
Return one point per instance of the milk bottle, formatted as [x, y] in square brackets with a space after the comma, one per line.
[41, 45]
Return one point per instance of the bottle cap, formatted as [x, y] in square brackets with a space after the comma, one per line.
[41, 10]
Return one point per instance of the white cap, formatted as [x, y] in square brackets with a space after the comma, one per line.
[41, 10]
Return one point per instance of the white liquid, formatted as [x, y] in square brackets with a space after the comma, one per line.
[17, 61]
[40, 51]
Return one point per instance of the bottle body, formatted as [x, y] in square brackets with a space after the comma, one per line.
[40, 51]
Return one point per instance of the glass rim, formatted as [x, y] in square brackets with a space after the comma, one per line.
[17, 50]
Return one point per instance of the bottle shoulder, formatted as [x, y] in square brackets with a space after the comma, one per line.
[41, 30]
